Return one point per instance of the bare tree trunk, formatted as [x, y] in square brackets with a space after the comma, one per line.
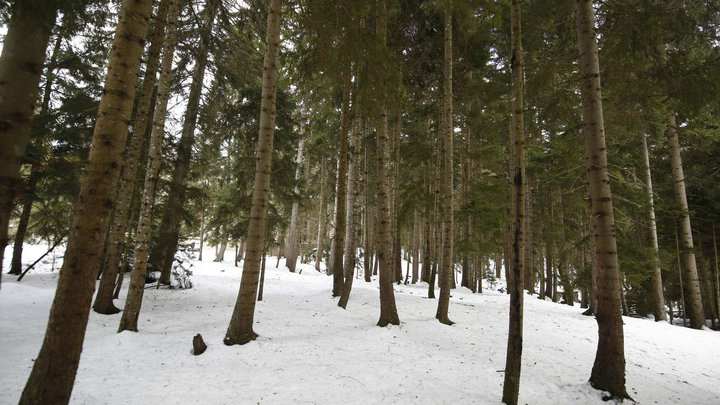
[716, 279]
[133, 302]
[342, 189]
[220, 250]
[353, 217]
[321, 218]
[202, 232]
[367, 218]
[291, 243]
[513, 360]
[608, 372]
[53, 374]
[448, 134]
[388, 310]
[126, 189]
[415, 249]
[692, 282]
[169, 232]
[656, 287]
[240, 330]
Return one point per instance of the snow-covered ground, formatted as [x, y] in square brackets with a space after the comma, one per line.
[312, 352]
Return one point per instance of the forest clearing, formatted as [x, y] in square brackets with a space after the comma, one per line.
[437, 165]
[311, 352]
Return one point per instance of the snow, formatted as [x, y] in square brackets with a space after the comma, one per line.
[310, 351]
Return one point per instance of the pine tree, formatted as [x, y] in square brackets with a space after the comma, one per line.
[53, 374]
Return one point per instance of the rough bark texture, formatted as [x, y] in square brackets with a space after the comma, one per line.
[291, 243]
[415, 249]
[172, 215]
[511, 384]
[116, 240]
[447, 272]
[21, 64]
[388, 310]
[342, 179]
[53, 373]
[656, 286]
[240, 330]
[133, 302]
[608, 372]
[693, 298]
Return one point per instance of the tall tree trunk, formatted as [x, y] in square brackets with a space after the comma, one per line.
[692, 283]
[291, 243]
[511, 384]
[220, 250]
[368, 216]
[37, 130]
[415, 249]
[656, 287]
[608, 372]
[342, 189]
[240, 330]
[448, 270]
[133, 302]
[172, 215]
[202, 232]
[388, 310]
[53, 374]
[126, 190]
[397, 245]
[352, 216]
[21, 64]
[321, 218]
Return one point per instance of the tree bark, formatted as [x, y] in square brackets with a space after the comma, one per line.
[126, 190]
[133, 302]
[53, 374]
[171, 220]
[320, 246]
[513, 363]
[656, 286]
[608, 372]
[415, 249]
[291, 243]
[448, 270]
[240, 330]
[352, 216]
[692, 282]
[21, 65]
[342, 189]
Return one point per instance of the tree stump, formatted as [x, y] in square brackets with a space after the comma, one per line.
[199, 345]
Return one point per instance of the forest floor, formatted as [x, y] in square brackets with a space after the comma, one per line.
[312, 352]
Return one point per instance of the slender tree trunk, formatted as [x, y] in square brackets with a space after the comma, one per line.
[511, 384]
[133, 302]
[261, 286]
[447, 269]
[342, 189]
[608, 372]
[126, 190]
[692, 282]
[21, 65]
[680, 276]
[716, 278]
[415, 249]
[656, 287]
[220, 250]
[291, 244]
[240, 330]
[367, 217]
[169, 231]
[53, 374]
[388, 310]
[202, 232]
[353, 217]
[321, 218]
[397, 245]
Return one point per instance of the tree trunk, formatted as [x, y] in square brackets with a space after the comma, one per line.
[202, 232]
[342, 189]
[608, 372]
[352, 216]
[53, 374]
[321, 218]
[21, 64]
[415, 249]
[388, 310]
[447, 269]
[169, 231]
[656, 286]
[367, 217]
[291, 243]
[511, 384]
[397, 245]
[220, 252]
[126, 190]
[692, 283]
[240, 330]
[133, 302]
